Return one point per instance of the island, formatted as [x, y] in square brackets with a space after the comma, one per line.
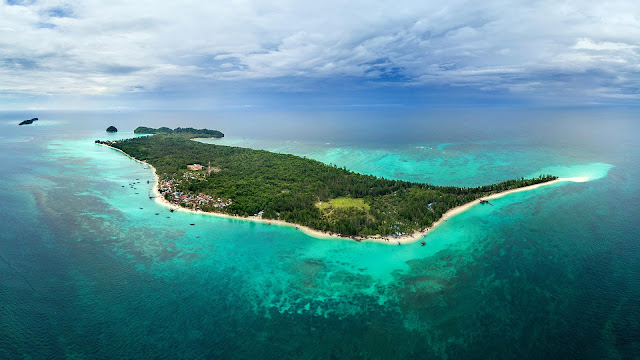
[27, 122]
[112, 129]
[310, 195]
[187, 131]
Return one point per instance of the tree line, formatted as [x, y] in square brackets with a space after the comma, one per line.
[179, 130]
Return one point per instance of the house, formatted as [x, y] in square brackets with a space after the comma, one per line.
[194, 167]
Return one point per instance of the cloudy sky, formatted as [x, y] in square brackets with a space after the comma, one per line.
[226, 54]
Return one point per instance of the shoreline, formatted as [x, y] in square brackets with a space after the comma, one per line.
[404, 239]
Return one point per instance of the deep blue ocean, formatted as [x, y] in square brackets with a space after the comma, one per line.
[89, 271]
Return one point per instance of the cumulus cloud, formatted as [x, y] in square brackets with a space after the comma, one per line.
[117, 47]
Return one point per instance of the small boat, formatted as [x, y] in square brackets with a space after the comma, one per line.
[157, 213]
[297, 228]
[140, 208]
[422, 243]
[269, 223]
[171, 209]
[192, 224]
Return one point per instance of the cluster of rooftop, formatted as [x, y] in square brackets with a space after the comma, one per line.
[170, 188]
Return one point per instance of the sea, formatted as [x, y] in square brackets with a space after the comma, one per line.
[91, 268]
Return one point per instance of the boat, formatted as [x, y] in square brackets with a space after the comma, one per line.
[192, 224]
[422, 243]
[171, 209]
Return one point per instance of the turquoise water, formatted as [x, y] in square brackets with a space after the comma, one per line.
[88, 270]
[461, 164]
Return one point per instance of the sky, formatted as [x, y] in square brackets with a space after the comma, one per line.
[317, 54]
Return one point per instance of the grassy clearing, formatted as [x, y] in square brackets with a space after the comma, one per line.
[343, 202]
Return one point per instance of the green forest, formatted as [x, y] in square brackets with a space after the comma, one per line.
[187, 131]
[301, 190]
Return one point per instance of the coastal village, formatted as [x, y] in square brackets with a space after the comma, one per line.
[170, 189]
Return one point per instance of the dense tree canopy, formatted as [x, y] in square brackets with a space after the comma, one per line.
[188, 131]
[290, 188]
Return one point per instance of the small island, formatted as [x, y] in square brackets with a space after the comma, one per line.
[187, 131]
[112, 129]
[267, 186]
[27, 122]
